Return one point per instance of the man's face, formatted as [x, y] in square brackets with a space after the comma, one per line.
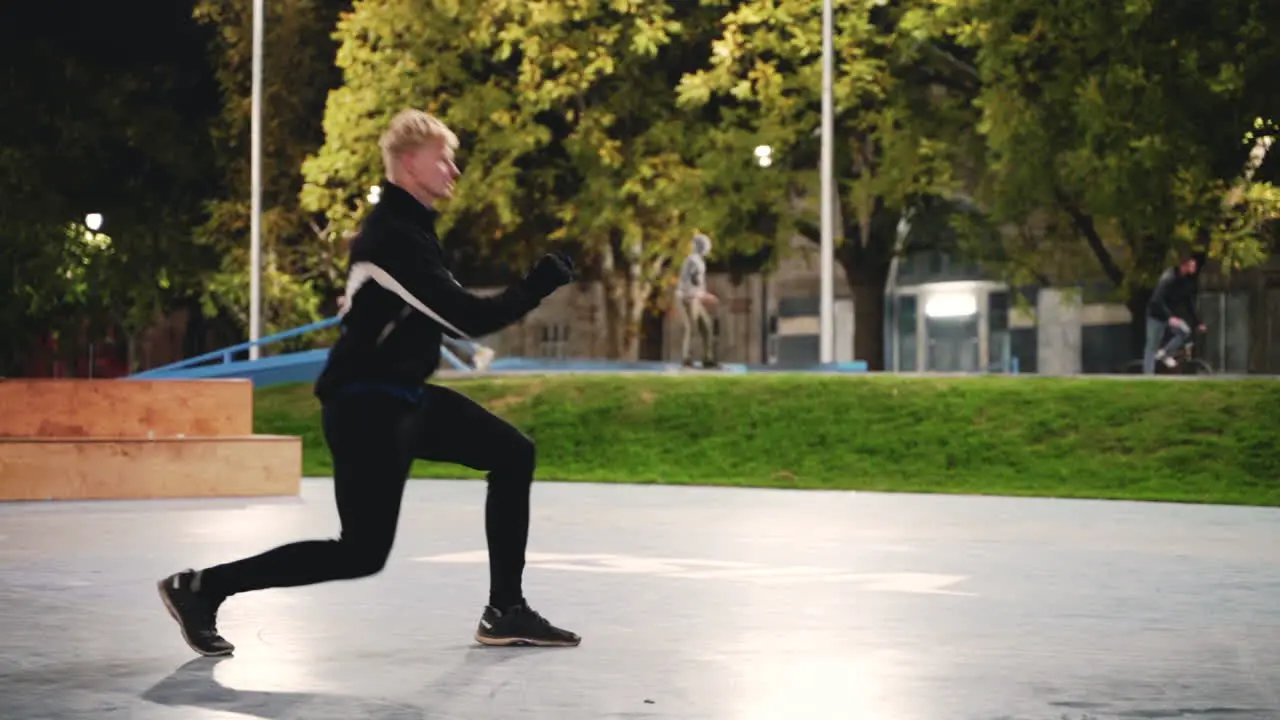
[1189, 266]
[432, 171]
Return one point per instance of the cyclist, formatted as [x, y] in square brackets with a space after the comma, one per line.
[1177, 290]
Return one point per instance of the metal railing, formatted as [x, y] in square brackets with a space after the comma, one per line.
[227, 354]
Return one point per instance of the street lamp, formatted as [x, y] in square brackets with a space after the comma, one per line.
[826, 318]
[93, 221]
[255, 191]
[764, 155]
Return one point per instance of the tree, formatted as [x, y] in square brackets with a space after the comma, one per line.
[107, 106]
[300, 253]
[1126, 129]
[394, 54]
[901, 126]
[571, 133]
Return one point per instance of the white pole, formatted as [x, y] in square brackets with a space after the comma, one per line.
[255, 202]
[827, 301]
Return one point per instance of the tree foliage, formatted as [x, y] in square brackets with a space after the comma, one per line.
[1088, 139]
[570, 131]
[102, 124]
[901, 125]
[1125, 128]
[299, 252]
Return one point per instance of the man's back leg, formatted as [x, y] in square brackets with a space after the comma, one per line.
[368, 435]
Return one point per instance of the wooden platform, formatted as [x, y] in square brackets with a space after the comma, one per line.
[130, 439]
[125, 408]
[133, 468]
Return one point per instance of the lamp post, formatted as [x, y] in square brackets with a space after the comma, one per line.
[255, 190]
[826, 319]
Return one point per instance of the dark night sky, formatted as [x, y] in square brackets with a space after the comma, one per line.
[60, 66]
[130, 34]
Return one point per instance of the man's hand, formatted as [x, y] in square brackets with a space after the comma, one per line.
[1204, 328]
[552, 271]
[1179, 324]
[708, 299]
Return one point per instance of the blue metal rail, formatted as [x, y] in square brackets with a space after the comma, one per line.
[288, 367]
[306, 365]
[226, 354]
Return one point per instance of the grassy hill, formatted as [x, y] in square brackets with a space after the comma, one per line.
[1214, 441]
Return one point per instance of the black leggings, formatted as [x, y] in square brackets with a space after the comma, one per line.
[374, 437]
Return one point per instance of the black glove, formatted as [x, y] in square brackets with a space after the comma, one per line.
[551, 272]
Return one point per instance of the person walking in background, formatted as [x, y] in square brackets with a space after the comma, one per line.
[694, 301]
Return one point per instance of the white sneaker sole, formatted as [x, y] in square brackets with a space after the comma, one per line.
[524, 642]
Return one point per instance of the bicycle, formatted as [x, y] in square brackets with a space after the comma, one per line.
[1185, 363]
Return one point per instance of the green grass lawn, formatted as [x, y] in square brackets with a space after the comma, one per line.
[1216, 441]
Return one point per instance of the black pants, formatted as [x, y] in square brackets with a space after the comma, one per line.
[374, 437]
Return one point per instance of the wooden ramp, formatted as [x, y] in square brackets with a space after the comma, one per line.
[135, 439]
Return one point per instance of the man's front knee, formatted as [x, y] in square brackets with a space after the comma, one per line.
[363, 559]
[523, 453]
[514, 456]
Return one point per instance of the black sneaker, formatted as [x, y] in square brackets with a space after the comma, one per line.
[521, 625]
[195, 613]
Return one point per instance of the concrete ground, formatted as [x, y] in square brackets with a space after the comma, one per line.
[694, 603]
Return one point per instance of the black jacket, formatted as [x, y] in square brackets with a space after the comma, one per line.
[1175, 295]
[401, 298]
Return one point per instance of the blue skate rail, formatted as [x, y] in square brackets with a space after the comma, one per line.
[568, 365]
[305, 366]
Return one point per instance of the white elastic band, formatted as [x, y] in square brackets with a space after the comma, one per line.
[365, 271]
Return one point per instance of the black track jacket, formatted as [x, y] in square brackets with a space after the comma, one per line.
[1173, 292]
[401, 299]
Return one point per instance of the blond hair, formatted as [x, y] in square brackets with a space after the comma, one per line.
[411, 129]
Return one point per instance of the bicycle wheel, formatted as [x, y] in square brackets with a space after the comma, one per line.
[1134, 367]
[1195, 366]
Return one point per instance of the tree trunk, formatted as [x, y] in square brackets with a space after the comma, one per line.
[866, 282]
[651, 336]
[867, 269]
[868, 327]
[612, 311]
[194, 332]
[621, 321]
[1137, 304]
[624, 313]
[637, 298]
[131, 351]
[627, 294]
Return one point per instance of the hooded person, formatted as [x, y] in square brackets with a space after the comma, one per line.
[694, 301]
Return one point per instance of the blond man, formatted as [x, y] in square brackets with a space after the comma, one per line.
[380, 413]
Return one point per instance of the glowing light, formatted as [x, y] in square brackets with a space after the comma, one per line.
[951, 306]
